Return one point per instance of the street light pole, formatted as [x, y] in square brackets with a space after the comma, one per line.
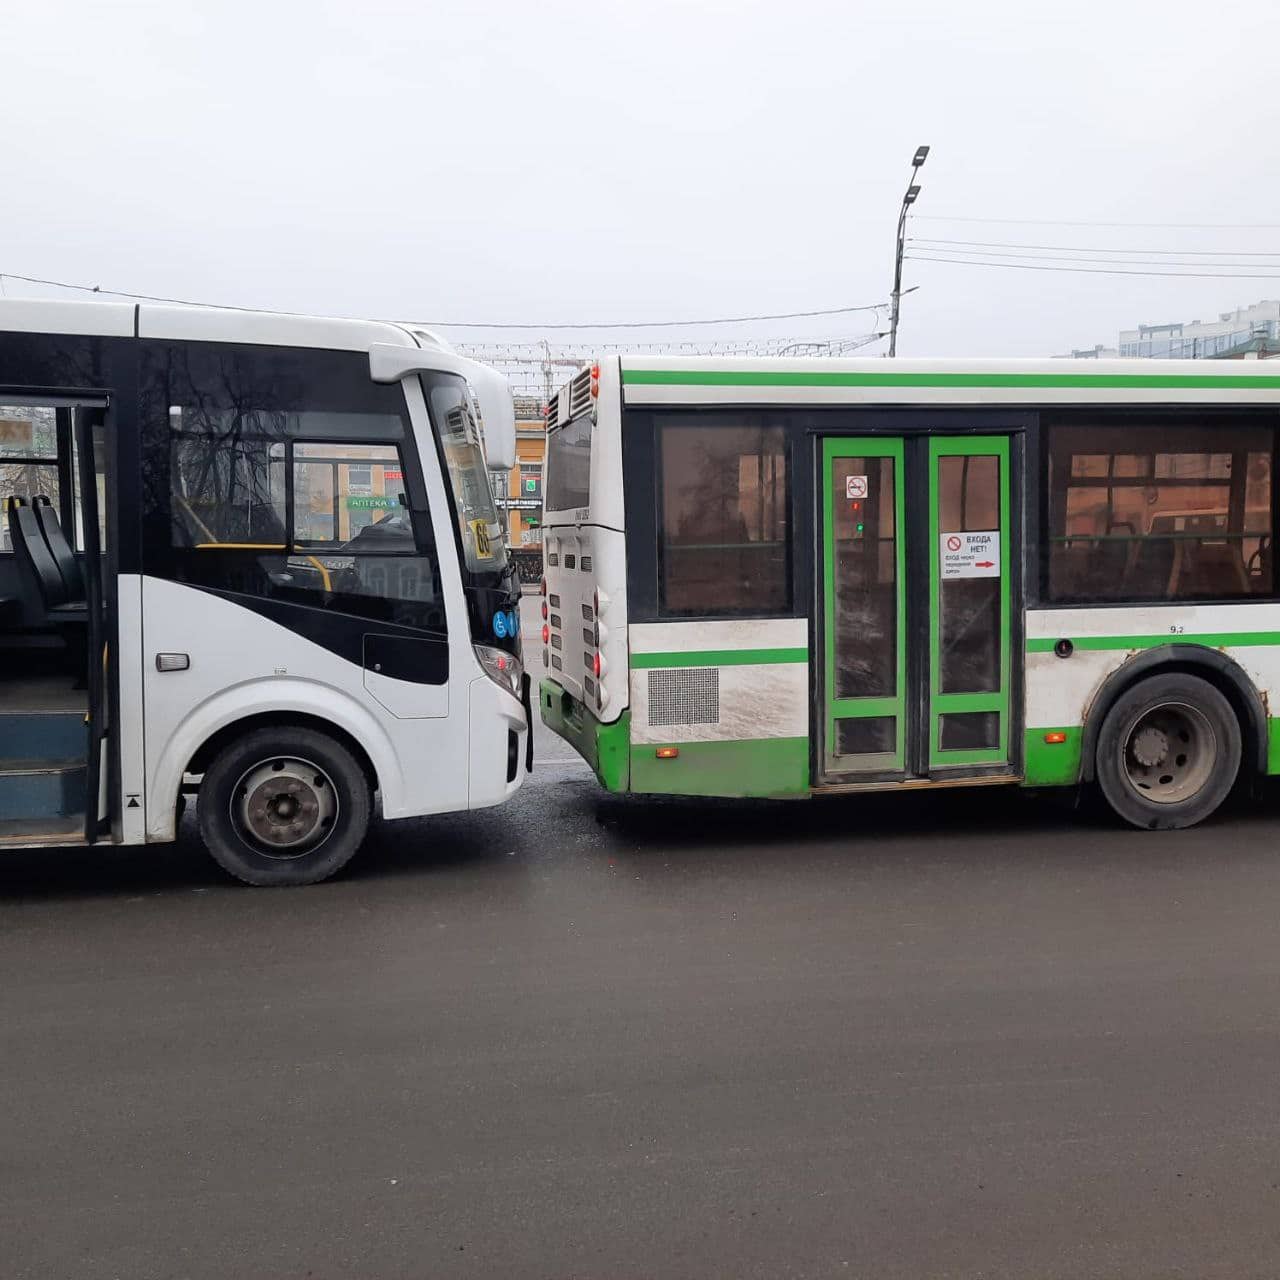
[908, 199]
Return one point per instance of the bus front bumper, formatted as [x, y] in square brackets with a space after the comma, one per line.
[605, 747]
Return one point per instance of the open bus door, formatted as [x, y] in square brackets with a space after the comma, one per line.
[59, 668]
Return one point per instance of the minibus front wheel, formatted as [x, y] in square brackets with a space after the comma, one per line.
[283, 806]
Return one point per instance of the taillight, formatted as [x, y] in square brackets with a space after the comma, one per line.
[544, 609]
[595, 381]
[597, 665]
[542, 587]
[546, 633]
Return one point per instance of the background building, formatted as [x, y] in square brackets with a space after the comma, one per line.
[1247, 332]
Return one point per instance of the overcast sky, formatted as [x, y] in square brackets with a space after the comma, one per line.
[554, 161]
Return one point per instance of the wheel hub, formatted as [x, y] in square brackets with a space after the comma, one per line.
[285, 807]
[1150, 746]
[1170, 753]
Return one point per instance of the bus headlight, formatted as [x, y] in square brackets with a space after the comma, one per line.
[501, 667]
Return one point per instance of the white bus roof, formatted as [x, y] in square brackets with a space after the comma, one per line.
[824, 380]
[204, 324]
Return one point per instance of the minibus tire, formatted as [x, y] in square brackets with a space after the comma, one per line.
[1168, 752]
[299, 787]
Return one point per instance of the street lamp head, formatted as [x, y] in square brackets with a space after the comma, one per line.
[920, 156]
[910, 197]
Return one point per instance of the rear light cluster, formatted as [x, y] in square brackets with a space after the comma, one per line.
[546, 629]
[599, 667]
[595, 381]
[593, 639]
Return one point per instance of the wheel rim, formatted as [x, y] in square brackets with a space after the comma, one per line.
[284, 807]
[1169, 753]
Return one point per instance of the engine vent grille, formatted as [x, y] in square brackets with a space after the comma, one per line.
[580, 394]
[685, 695]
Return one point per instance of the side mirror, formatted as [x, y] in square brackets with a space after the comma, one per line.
[497, 416]
[388, 363]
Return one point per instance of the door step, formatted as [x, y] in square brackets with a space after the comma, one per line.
[35, 790]
[68, 830]
[41, 735]
[919, 784]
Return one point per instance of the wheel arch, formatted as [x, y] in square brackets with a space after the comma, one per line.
[275, 720]
[1212, 665]
[236, 711]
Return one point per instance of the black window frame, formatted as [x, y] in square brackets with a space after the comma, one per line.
[1208, 418]
[722, 420]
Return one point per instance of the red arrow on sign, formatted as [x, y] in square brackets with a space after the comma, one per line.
[984, 564]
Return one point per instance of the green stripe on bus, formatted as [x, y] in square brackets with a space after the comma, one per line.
[837, 378]
[720, 658]
[1214, 639]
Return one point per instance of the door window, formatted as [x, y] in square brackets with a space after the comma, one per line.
[28, 457]
[865, 545]
[969, 605]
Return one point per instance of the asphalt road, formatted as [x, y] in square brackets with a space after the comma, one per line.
[968, 1035]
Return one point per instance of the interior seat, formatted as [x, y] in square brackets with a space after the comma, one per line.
[39, 565]
[59, 548]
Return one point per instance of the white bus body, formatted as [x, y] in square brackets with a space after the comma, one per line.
[297, 545]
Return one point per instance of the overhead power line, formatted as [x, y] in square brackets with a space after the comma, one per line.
[464, 324]
[646, 324]
[1062, 222]
[963, 254]
[1102, 271]
[121, 293]
[1071, 248]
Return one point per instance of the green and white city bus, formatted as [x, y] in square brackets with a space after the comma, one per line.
[774, 578]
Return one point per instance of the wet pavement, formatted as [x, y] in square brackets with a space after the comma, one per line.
[970, 1034]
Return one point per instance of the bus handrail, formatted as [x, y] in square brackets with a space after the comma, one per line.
[271, 546]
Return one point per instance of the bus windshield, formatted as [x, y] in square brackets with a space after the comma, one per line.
[450, 402]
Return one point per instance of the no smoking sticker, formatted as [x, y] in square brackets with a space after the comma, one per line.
[970, 555]
[855, 486]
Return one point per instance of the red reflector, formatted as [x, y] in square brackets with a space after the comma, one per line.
[546, 633]
[667, 753]
[1055, 739]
